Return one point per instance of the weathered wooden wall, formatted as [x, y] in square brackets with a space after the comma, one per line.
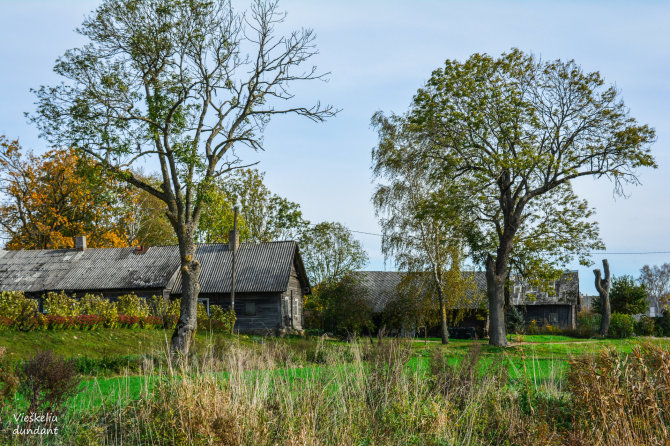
[268, 313]
[557, 315]
[292, 302]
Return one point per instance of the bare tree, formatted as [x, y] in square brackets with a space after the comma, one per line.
[178, 85]
[656, 280]
[603, 287]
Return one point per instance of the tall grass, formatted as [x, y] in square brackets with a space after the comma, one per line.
[317, 393]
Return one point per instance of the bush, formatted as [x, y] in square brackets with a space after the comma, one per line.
[224, 320]
[131, 305]
[47, 381]
[126, 321]
[60, 304]
[621, 326]
[17, 308]
[645, 326]
[662, 324]
[515, 320]
[100, 306]
[588, 323]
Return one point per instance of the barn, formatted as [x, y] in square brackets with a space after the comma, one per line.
[555, 304]
[269, 287]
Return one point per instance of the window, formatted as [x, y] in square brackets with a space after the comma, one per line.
[652, 311]
[553, 318]
[250, 308]
[205, 302]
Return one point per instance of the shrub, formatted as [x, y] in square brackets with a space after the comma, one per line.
[88, 321]
[151, 322]
[621, 326]
[201, 311]
[47, 381]
[54, 322]
[60, 304]
[588, 323]
[131, 305]
[224, 320]
[515, 320]
[100, 306]
[662, 324]
[126, 321]
[645, 326]
[17, 308]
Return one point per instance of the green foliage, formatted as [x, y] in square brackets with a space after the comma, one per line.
[646, 326]
[588, 323]
[60, 304]
[330, 251]
[346, 311]
[626, 297]
[621, 326]
[99, 306]
[132, 305]
[263, 215]
[17, 308]
[226, 318]
[515, 320]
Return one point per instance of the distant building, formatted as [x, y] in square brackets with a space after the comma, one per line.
[270, 279]
[555, 304]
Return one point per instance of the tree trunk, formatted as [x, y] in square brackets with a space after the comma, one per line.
[443, 317]
[603, 287]
[495, 287]
[184, 333]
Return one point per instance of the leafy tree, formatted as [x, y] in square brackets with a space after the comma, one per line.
[51, 198]
[418, 241]
[626, 297]
[182, 85]
[264, 216]
[511, 133]
[148, 224]
[346, 311]
[330, 252]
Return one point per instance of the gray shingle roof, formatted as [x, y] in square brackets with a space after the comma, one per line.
[263, 267]
[381, 287]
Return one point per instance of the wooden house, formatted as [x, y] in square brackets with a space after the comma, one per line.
[270, 277]
[555, 304]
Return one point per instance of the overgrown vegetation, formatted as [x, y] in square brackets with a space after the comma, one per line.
[312, 391]
[92, 312]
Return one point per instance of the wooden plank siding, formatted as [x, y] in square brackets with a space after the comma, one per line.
[266, 312]
[292, 302]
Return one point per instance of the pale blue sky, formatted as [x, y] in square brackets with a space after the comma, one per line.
[380, 53]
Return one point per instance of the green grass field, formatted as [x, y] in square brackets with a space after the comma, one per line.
[529, 357]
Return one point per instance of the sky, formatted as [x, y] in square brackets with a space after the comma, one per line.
[378, 53]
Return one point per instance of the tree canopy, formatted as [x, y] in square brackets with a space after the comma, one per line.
[330, 252]
[183, 85]
[51, 198]
[511, 134]
[626, 297]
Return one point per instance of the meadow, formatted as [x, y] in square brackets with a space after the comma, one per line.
[258, 390]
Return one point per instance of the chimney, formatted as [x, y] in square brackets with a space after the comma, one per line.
[233, 240]
[80, 243]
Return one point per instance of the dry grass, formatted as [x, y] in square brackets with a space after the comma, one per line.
[363, 394]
